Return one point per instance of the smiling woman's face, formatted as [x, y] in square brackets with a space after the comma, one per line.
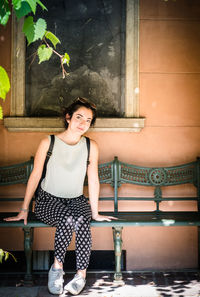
[81, 120]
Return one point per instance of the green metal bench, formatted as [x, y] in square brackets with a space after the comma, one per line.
[116, 174]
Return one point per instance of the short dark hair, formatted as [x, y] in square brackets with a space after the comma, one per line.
[75, 105]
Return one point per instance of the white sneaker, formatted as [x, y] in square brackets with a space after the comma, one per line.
[76, 285]
[55, 281]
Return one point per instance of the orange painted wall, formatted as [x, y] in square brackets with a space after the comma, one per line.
[169, 99]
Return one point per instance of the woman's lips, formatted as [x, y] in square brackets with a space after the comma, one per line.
[80, 128]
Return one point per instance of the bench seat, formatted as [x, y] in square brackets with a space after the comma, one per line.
[185, 218]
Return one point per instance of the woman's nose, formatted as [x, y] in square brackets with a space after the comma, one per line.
[83, 122]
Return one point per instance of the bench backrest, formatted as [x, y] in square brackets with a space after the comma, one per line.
[15, 174]
[116, 173]
[156, 177]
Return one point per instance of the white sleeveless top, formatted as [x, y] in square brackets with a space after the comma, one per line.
[66, 169]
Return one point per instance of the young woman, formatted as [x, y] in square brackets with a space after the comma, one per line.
[60, 200]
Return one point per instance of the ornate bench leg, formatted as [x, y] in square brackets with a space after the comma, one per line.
[117, 236]
[28, 241]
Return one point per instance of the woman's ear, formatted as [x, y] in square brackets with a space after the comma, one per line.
[67, 117]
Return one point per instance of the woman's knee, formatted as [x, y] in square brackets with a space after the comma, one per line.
[82, 224]
[66, 220]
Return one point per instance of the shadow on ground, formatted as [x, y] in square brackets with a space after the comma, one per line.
[137, 284]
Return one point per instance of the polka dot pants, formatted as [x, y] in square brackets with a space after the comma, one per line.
[68, 216]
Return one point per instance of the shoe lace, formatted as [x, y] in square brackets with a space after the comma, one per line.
[58, 278]
[78, 282]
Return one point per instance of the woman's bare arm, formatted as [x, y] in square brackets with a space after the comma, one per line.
[93, 183]
[33, 181]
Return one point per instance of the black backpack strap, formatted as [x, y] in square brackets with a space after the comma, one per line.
[88, 149]
[49, 153]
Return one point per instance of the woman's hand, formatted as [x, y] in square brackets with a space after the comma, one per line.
[101, 218]
[22, 215]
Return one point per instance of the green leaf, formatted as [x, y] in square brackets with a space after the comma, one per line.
[24, 10]
[34, 31]
[54, 40]
[4, 19]
[66, 59]
[40, 29]
[1, 118]
[32, 4]
[17, 4]
[4, 83]
[4, 13]
[29, 29]
[2, 94]
[6, 256]
[28, 6]
[44, 53]
[41, 4]
[1, 255]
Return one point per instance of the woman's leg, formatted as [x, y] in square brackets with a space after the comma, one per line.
[82, 216]
[83, 250]
[57, 264]
[83, 245]
[53, 211]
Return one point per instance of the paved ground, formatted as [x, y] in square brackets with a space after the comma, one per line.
[138, 284]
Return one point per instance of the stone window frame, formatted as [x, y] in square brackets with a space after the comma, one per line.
[131, 122]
